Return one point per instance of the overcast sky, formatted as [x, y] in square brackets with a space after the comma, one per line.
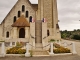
[68, 12]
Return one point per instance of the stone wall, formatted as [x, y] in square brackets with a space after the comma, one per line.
[0, 31]
[14, 12]
[32, 33]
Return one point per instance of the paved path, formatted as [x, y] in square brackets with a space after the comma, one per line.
[70, 57]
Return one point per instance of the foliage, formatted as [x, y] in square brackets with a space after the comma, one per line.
[19, 44]
[52, 40]
[31, 53]
[77, 37]
[2, 41]
[71, 34]
[61, 50]
[56, 45]
[16, 50]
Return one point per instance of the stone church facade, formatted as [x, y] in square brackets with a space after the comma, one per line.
[16, 26]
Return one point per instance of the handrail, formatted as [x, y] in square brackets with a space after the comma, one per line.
[66, 44]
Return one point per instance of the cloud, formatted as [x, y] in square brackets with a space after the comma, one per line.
[68, 12]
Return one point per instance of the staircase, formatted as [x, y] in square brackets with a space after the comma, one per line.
[38, 46]
[38, 31]
[38, 40]
[38, 34]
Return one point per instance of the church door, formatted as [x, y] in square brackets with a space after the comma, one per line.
[22, 33]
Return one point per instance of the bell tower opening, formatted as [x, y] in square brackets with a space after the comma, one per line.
[22, 33]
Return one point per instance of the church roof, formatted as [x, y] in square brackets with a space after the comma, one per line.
[21, 22]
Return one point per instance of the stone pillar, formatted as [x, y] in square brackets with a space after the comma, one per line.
[51, 52]
[3, 50]
[27, 54]
[73, 48]
[65, 45]
[26, 32]
[59, 42]
[15, 32]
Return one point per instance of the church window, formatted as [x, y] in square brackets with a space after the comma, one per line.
[30, 19]
[27, 13]
[7, 34]
[14, 18]
[57, 26]
[48, 33]
[23, 8]
[19, 13]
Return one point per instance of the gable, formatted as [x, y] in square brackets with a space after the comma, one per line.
[18, 7]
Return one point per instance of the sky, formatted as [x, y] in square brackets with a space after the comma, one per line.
[68, 12]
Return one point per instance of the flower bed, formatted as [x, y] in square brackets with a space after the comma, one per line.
[60, 49]
[16, 50]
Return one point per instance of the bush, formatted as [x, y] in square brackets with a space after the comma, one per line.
[56, 45]
[16, 50]
[77, 37]
[52, 40]
[19, 44]
[61, 50]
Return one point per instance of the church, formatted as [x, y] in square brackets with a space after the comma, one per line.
[33, 23]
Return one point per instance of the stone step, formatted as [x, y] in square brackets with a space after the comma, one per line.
[40, 52]
[38, 30]
[39, 46]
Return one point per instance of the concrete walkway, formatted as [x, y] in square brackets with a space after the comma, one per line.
[69, 57]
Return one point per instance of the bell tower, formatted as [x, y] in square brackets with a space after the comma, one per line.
[48, 9]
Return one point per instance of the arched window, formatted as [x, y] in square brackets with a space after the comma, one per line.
[14, 18]
[22, 33]
[27, 13]
[23, 8]
[19, 13]
[7, 34]
[48, 33]
[30, 19]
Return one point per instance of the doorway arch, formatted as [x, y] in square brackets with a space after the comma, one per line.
[22, 33]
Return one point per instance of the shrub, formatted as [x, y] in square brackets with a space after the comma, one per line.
[61, 50]
[56, 45]
[31, 53]
[19, 44]
[16, 50]
[52, 40]
[77, 37]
